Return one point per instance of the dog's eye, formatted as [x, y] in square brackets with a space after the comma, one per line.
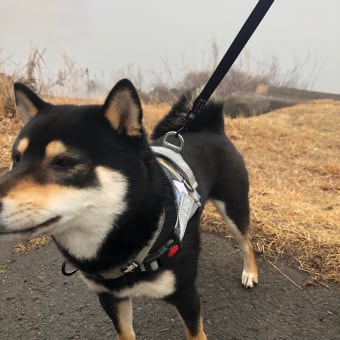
[16, 159]
[64, 162]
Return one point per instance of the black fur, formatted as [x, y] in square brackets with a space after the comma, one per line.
[211, 117]
[92, 140]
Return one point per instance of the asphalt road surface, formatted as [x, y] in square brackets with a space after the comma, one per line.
[37, 302]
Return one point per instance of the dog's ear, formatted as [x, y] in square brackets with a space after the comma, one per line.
[123, 109]
[28, 103]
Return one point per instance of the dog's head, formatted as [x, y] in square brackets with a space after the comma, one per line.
[73, 167]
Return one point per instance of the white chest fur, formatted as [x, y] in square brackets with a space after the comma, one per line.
[161, 287]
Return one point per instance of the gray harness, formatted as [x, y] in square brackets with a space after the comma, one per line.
[184, 184]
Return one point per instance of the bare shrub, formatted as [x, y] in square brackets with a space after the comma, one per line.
[245, 75]
[194, 79]
[7, 104]
[72, 80]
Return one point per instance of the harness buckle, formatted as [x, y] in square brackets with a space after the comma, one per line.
[130, 267]
[155, 260]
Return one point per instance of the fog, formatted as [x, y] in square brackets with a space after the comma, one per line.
[166, 39]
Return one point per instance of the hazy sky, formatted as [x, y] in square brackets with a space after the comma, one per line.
[151, 35]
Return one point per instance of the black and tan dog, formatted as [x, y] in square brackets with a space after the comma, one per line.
[87, 176]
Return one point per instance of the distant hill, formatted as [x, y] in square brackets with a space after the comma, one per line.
[269, 98]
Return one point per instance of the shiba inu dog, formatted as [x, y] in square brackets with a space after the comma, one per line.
[125, 215]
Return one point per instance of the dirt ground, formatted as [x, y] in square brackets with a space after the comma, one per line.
[37, 302]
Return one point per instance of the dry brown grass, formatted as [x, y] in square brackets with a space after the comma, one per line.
[293, 159]
[295, 176]
[8, 129]
[25, 248]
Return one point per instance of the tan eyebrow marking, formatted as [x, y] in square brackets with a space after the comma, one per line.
[23, 145]
[55, 148]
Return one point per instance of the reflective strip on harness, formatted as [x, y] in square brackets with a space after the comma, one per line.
[184, 185]
[187, 206]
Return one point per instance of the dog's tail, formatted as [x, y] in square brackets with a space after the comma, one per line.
[210, 118]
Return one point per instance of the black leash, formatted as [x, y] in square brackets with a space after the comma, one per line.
[227, 61]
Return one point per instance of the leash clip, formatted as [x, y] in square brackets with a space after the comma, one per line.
[65, 272]
[174, 147]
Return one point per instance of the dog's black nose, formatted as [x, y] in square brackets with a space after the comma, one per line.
[0, 207]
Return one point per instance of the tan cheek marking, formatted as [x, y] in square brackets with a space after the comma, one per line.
[39, 195]
[55, 148]
[23, 145]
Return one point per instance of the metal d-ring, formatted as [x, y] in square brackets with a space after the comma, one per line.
[177, 148]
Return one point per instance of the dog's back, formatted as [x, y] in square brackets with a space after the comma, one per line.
[210, 119]
[218, 166]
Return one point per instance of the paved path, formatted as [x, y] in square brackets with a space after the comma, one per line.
[37, 302]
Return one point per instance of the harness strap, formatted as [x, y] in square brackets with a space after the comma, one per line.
[138, 261]
[121, 270]
[177, 159]
[187, 199]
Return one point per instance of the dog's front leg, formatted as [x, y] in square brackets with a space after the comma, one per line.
[120, 312]
[188, 305]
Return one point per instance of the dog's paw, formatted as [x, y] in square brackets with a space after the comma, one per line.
[249, 279]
